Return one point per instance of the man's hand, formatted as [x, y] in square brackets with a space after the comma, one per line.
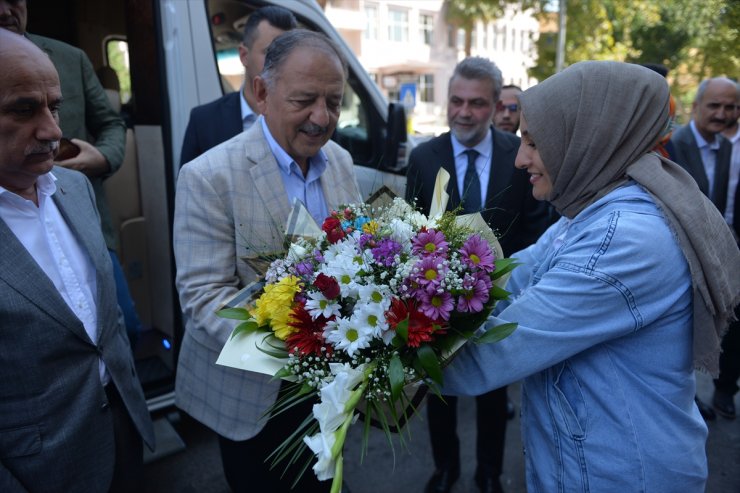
[89, 160]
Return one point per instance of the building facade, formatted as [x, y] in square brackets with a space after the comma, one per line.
[411, 50]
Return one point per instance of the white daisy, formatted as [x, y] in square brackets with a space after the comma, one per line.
[377, 294]
[317, 304]
[372, 316]
[348, 335]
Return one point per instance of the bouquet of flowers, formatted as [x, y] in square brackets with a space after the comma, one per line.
[369, 308]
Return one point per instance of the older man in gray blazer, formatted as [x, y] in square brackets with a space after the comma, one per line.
[72, 412]
[233, 202]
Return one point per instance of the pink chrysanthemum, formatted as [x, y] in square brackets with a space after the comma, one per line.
[476, 253]
[429, 243]
[431, 271]
[436, 305]
[475, 294]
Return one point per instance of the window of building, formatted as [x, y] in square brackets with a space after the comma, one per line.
[495, 37]
[371, 21]
[474, 37]
[426, 88]
[398, 25]
[513, 40]
[461, 39]
[484, 40]
[426, 23]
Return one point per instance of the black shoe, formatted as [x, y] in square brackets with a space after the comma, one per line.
[724, 404]
[510, 410]
[490, 485]
[442, 481]
[706, 412]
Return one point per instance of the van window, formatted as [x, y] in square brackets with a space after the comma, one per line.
[116, 57]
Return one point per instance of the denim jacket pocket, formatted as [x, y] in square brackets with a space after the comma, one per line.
[20, 442]
[571, 402]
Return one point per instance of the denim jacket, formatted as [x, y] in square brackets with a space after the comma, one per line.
[604, 345]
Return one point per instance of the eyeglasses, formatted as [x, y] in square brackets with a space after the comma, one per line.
[513, 108]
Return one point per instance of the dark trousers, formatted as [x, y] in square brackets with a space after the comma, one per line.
[247, 468]
[490, 437]
[729, 361]
[129, 467]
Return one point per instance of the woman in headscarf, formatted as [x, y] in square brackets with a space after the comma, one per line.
[618, 302]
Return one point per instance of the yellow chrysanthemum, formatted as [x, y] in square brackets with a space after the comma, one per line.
[370, 227]
[275, 304]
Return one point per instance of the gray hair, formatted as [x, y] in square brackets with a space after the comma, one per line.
[479, 68]
[705, 84]
[282, 46]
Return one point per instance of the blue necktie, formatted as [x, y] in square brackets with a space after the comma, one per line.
[471, 185]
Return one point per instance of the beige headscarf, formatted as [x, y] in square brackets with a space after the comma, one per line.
[594, 125]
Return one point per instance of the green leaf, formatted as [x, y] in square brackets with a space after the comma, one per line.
[504, 266]
[245, 328]
[402, 329]
[430, 363]
[234, 313]
[496, 333]
[498, 293]
[396, 376]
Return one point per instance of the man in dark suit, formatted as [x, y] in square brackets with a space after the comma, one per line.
[700, 148]
[220, 120]
[480, 160]
[72, 412]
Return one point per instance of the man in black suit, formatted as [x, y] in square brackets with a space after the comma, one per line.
[480, 160]
[700, 149]
[218, 121]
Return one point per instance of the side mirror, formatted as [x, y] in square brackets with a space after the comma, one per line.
[395, 138]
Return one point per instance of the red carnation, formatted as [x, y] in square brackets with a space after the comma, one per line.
[420, 327]
[328, 286]
[309, 339]
[333, 228]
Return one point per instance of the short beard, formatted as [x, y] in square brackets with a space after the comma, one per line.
[470, 138]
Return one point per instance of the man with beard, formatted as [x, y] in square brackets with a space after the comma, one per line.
[506, 117]
[480, 161]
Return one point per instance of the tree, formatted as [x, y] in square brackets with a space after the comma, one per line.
[694, 39]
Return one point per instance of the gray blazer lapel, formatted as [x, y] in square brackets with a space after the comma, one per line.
[265, 172]
[77, 206]
[21, 272]
[689, 157]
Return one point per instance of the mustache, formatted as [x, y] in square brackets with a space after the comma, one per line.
[312, 128]
[43, 147]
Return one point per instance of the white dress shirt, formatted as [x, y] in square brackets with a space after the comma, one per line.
[46, 236]
[482, 163]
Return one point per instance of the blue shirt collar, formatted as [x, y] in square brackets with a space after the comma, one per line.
[317, 163]
[484, 147]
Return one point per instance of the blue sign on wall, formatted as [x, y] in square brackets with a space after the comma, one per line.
[407, 95]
